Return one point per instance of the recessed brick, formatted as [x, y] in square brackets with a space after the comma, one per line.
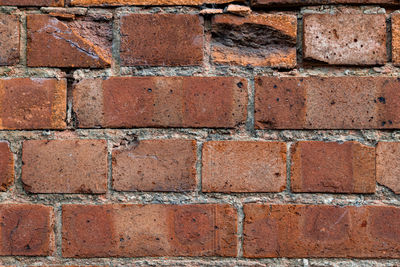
[6, 166]
[9, 39]
[302, 231]
[155, 165]
[387, 165]
[127, 102]
[31, 2]
[161, 40]
[149, 230]
[54, 43]
[327, 103]
[345, 39]
[148, 2]
[32, 103]
[266, 3]
[64, 166]
[240, 166]
[26, 230]
[255, 40]
[333, 167]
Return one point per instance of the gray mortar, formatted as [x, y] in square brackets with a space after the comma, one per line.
[121, 137]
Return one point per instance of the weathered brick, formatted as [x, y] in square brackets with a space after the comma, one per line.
[298, 231]
[149, 230]
[255, 40]
[32, 103]
[333, 167]
[155, 165]
[9, 39]
[64, 166]
[327, 103]
[265, 3]
[396, 39]
[148, 2]
[26, 230]
[240, 166]
[161, 40]
[6, 166]
[161, 102]
[387, 165]
[345, 39]
[31, 2]
[80, 43]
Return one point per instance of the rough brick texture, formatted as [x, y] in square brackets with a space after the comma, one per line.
[230, 166]
[6, 166]
[64, 166]
[161, 40]
[35, 103]
[149, 230]
[31, 2]
[161, 102]
[26, 230]
[255, 40]
[148, 2]
[327, 103]
[396, 39]
[155, 165]
[387, 165]
[9, 39]
[345, 39]
[321, 231]
[265, 3]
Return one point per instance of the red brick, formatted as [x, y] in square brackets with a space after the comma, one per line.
[327, 103]
[254, 40]
[333, 167]
[388, 165]
[26, 230]
[301, 231]
[240, 166]
[6, 166]
[31, 2]
[161, 40]
[64, 166]
[265, 3]
[345, 39]
[32, 103]
[9, 36]
[53, 43]
[155, 165]
[396, 39]
[129, 102]
[148, 2]
[149, 230]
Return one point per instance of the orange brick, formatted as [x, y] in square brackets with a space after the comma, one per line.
[148, 2]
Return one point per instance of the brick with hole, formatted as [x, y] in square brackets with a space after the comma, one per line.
[129, 102]
[243, 166]
[155, 165]
[332, 167]
[161, 40]
[387, 165]
[327, 103]
[156, 230]
[148, 2]
[321, 231]
[32, 103]
[396, 39]
[9, 39]
[345, 39]
[38, 3]
[26, 230]
[6, 166]
[80, 43]
[65, 166]
[254, 40]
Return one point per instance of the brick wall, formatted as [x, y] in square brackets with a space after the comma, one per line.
[199, 133]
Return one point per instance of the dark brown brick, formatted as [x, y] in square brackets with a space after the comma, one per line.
[303, 231]
[155, 165]
[161, 40]
[9, 39]
[32, 103]
[31, 2]
[6, 166]
[26, 230]
[327, 103]
[149, 230]
[64, 166]
[332, 167]
[240, 166]
[129, 102]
